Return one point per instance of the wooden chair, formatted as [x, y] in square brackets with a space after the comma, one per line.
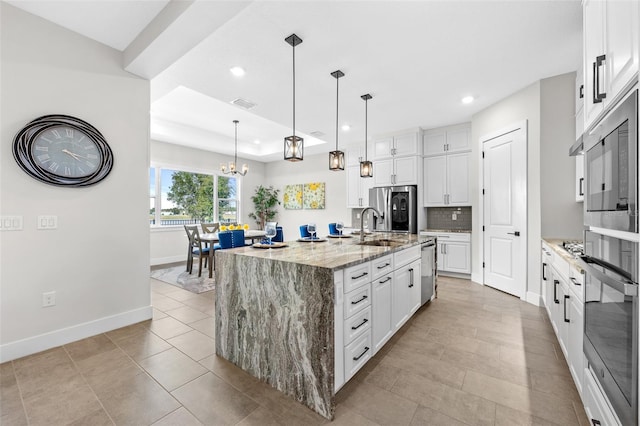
[195, 249]
[210, 228]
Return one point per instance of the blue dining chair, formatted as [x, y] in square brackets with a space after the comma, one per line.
[225, 240]
[238, 238]
[303, 232]
[279, 238]
[332, 229]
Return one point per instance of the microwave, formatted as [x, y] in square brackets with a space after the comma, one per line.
[611, 169]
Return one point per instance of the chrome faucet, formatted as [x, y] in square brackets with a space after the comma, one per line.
[362, 220]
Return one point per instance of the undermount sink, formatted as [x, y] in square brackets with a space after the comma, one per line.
[382, 243]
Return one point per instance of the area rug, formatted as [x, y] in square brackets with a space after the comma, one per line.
[178, 277]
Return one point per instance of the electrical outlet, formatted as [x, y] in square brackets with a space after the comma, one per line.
[11, 223]
[47, 222]
[48, 299]
[454, 216]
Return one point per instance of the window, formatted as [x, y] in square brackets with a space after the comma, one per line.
[179, 197]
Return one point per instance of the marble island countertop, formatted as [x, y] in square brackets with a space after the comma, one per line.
[333, 253]
[457, 231]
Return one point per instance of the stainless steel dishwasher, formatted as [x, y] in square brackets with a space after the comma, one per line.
[429, 269]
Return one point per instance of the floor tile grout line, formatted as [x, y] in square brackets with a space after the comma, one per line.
[84, 379]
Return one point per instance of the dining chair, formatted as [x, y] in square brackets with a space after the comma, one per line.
[225, 240]
[279, 238]
[332, 229]
[210, 228]
[304, 233]
[195, 249]
[238, 238]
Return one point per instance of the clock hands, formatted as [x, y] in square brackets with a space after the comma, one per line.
[74, 155]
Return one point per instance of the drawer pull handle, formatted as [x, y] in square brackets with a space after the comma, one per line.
[595, 422]
[364, 321]
[574, 281]
[366, 349]
[385, 280]
[364, 274]
[384, 266]
[555, 291]
[566, 297]
[411, 277]
[363, 298]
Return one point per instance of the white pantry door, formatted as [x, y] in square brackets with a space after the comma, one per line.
[505, 210]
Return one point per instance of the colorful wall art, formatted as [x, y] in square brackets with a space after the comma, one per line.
[313, 197]
[292, 198]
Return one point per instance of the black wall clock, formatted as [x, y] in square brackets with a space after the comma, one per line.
[63, 150]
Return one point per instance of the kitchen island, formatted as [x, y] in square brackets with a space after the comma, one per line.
[279, 312]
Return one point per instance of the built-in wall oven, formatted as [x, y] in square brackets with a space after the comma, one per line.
[611, 169]
[611, 319]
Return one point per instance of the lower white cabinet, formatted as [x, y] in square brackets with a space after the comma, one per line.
[356, 354]
[596, 406]
[576, 330]
[454, 252]
[381, 306]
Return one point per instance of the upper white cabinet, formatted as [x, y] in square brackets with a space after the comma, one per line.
[354, 155]
[447, 140]
[611, 53]
[446, 180]
[396, 171]
[580, 178]
[402, 145]
[357, 188]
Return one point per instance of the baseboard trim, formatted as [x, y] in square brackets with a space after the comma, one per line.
[18, 349]
[170, 259]
[533, 298]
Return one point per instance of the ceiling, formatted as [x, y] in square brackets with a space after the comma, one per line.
[416, 58]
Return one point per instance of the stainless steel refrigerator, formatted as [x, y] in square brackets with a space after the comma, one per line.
[398, 206]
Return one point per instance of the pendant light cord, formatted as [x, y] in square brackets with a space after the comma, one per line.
[366, 114]
[235, 158]
[294, 90]
[337, 106]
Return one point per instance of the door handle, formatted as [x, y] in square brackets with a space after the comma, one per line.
[517, 233]
[411, 277]
[566, 297]
[544, 270]
[581, 183]
[599, 62]
[555, 291]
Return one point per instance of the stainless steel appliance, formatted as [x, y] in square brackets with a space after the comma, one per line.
[611, 319]
[398, 206]
[429, 268]
[611, 169]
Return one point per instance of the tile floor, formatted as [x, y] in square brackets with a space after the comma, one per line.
[475, 356]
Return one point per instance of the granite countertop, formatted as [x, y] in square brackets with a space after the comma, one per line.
[463, 231]
[334, 253]
[556, 245]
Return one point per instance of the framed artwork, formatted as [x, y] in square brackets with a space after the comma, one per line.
[292, 198]
[313, 197]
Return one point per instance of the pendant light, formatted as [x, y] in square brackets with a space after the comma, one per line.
[336, 158]
[293, 145]
[366, 167]
[232, 164]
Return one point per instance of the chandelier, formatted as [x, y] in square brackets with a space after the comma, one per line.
[232, 164]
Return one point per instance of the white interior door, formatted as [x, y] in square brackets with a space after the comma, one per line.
[505, 211]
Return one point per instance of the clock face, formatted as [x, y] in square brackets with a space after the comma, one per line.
[63, 150]
[66, 152]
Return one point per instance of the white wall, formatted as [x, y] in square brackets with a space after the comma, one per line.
[549, 108]
[522, 105]
[562, 216]
[97, 261]
[169, 244]
[314, 168]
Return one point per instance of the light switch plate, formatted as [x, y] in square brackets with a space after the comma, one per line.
[47, 222]
[11, 223]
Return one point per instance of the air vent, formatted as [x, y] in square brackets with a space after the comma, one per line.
[317, 134]
[243, 103]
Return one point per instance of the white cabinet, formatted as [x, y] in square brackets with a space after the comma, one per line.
[596, 405]
[354, 155]
[447, 140]
[402, 145]
[382, 325]
[454, 252]
[579, 178]
[415, 289]
[610, 53]
[396, 171]
[357, 188]
[446, 180]
[574, 347]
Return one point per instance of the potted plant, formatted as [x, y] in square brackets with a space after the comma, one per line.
[265, 201]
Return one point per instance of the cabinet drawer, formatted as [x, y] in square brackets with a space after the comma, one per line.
[357, 325]
[356, 354]
[356, 301]
[356, 276]
[381, 266]
[443, 237]
[576, 281]
[406, 256]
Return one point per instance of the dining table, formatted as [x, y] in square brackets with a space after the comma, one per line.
[212, 238]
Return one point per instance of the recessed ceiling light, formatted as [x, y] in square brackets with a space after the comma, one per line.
[237, 71]
[257, 142]
[346, 127]
[467, 99]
